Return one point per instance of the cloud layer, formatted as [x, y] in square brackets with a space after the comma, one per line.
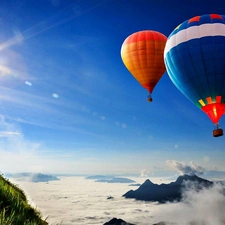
[75, 200]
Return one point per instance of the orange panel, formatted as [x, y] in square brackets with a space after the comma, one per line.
[209, 100]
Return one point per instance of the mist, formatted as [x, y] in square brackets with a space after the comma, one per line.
[204, 207]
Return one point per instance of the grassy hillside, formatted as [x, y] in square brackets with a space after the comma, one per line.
[14, 208]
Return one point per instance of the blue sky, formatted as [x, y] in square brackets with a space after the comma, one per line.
[69, 105]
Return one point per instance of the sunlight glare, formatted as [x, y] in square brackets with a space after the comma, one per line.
[54, 95]
[28, 83]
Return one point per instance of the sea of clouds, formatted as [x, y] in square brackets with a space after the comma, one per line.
[79, 201]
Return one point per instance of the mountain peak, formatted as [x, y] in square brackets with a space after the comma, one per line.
[147, 182]
[192, 178]
[116, 221]
[185, 177]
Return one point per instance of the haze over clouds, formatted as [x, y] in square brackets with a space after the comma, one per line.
[78, 201]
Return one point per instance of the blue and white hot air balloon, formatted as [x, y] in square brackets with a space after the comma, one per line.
[195, 61]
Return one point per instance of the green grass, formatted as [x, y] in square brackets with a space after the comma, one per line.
[14, 207]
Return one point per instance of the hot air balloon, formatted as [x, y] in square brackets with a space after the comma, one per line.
[142, 54]
[195, 61]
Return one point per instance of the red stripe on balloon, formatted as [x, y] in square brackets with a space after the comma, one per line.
[194, 19]
[145, 36]
[216, 16]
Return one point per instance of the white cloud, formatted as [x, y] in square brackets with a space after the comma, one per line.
[205, 207]
[8, 133]
[144, 173]
[16, 152]
[184, 168]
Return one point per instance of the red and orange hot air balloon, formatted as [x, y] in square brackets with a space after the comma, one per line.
[142, 54]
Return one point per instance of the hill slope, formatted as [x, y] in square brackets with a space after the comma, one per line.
[14, 207]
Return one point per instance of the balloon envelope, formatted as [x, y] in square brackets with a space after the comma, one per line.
[195, 61]
[142, 54]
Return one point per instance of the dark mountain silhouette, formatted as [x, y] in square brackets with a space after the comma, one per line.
[116, 221]
[162, 193]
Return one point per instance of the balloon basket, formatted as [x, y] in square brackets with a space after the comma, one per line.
[149, 99]
[218, 132]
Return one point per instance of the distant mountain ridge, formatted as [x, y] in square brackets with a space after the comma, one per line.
[110, 179]
[162, 193]
[98, 177]
[32, 177]
[116, 180]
